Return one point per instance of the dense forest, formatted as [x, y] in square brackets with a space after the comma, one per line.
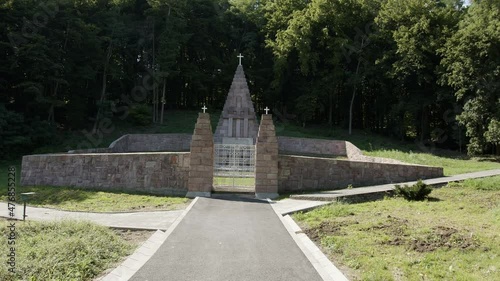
[423, 70]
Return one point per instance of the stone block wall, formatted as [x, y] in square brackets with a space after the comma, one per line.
[156, 173]
[299, 173]
[266, 160]
[150, 143]
[304, 146]
[145, 143]
[201, 171]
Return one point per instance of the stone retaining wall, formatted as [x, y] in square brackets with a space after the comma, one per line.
[299, 173]
[156, 173]
[152, 143]
[304, 146]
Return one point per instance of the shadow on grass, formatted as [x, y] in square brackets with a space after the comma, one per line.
[48, 195]
[54, 195]
[491, 158]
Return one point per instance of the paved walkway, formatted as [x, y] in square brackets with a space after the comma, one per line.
[335, 195]
[153, 220]
[139, 220]
[229, 239]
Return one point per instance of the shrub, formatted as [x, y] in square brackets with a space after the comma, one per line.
[417, 192]
[141, 114]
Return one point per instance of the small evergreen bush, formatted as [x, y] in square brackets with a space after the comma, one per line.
[417, 192]
[141, 115]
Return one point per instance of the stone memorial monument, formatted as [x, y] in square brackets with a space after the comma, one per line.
[238, 121]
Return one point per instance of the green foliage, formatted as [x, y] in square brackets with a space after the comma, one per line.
[404, 69]
[141, 115]
[20, 136]
[493, 133]
[65, 250]
[417, 192]
[472, 68]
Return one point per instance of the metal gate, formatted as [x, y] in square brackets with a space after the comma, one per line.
[234, 168]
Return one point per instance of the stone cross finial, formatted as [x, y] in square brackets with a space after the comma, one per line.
[267, 110]
[240, 57]
[204, 108]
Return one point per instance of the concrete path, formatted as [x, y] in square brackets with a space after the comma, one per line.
[139, 220]
[290, 206]
[153, 220]
[229, 239]
[365, 192]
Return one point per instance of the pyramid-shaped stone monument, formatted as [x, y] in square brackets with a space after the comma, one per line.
[238, 121]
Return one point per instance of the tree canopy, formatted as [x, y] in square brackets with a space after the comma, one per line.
[422, 70]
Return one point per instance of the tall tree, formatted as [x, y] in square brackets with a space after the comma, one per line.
[472, 68]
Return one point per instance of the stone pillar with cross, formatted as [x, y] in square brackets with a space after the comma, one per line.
[266, 159]
[201, 159]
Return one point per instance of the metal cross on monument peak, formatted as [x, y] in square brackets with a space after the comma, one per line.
[267, 110]
[204, 108]
[240, 57]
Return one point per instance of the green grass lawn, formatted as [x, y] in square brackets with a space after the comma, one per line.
[452, 236]
[452, 165]
[64, 250]
[233, 181]
[73, 199]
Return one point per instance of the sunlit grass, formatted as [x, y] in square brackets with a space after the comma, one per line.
[234, 181]
[73, 199]
[452, 236]
[452, 166]
[63, 250]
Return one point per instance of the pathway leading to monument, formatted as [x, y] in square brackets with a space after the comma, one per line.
[229, 239]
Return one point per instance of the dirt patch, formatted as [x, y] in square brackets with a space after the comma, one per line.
[444, 237]
[439, 238]
[327, 228]
[162, 207]
[134, 237]
[396, 242]
[393, 226]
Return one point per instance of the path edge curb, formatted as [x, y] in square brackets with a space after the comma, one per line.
[134, 262]
[325, 268]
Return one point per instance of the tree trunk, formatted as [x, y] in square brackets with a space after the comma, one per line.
[163, 100]
[104, 85]
[353, 96]
[51, 118]
[155, 106]
[330, 113]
